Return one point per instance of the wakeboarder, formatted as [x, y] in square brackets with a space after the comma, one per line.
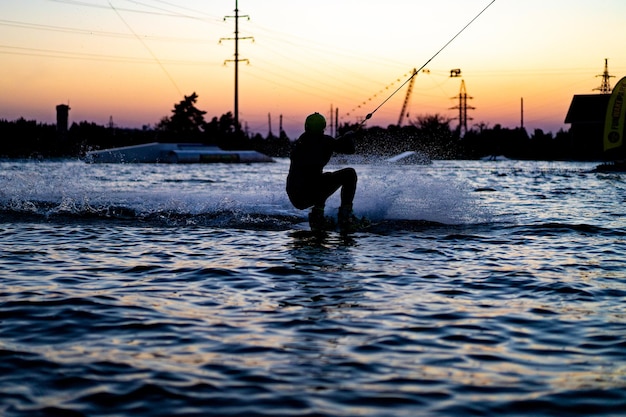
[307, 183]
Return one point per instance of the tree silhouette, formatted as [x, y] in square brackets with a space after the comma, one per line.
[187, 121]
[222, 132]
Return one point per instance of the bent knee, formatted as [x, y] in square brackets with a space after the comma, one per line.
[350, 174]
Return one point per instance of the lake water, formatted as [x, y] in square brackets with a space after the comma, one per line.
[483, 288]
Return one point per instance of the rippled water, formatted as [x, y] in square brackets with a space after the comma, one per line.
[486, 288]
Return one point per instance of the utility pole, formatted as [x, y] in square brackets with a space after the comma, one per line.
[605, 87]
[236, 60]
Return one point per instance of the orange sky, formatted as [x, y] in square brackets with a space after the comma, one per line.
[133, 60]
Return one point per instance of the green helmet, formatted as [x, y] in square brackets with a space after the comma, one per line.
[315, 123]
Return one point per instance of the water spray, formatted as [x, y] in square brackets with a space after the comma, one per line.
[369, 115]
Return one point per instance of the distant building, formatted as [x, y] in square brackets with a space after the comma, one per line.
[586, 115]
[63, 112]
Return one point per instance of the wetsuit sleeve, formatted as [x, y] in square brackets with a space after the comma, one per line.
[345, 143]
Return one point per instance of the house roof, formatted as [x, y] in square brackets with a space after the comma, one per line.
[588, 108]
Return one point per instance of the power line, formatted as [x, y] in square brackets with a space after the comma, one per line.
[148, 49]
[16, 50]
[369, 115]
[163, 12]
[67, 29]
[177, 6]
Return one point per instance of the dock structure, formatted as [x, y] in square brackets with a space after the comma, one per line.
[174, 153]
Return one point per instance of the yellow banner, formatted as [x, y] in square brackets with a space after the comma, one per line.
[615, 117]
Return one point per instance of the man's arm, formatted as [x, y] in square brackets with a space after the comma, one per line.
[345, 143]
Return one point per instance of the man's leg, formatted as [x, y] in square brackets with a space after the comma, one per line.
[331, 182]
[345, 179]
[348, 186]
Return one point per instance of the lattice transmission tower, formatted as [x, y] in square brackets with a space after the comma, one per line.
[605, 87]
[462, 107]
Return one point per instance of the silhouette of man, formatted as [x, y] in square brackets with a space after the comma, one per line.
[307, 184]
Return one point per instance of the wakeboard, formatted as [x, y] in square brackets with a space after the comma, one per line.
[379, 226]
[331, 225]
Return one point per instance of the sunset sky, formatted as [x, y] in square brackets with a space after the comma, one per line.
[132, 60]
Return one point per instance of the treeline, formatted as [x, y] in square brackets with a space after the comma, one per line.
[429, 135]
[30, 139]
[432, 136]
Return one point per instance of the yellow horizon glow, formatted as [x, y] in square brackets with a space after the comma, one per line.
[134, 61]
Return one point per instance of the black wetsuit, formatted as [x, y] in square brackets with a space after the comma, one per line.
[307, 184]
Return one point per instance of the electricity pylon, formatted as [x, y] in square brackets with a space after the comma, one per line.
[605, 87]
[463, 108]
[236, 60]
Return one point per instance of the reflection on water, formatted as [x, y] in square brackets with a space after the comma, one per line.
[197, 301]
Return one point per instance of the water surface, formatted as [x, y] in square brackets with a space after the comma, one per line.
[490, 288]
